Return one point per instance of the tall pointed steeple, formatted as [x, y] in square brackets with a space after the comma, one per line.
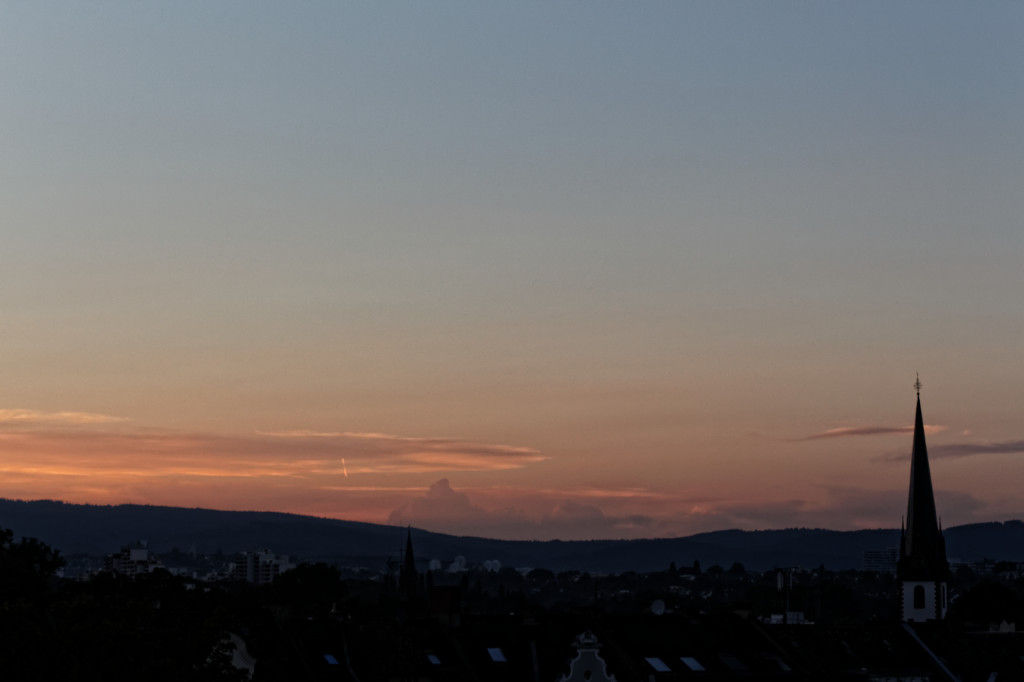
[922, 538]
[922, 566]
[407, 577]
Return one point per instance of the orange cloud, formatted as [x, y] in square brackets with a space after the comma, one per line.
[846, 431]
[23, 417]
[261, 454]
[45, 457]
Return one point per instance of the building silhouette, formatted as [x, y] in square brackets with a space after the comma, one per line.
[133, 560]
[407, 576]
[259, 567]
[881, 560]
[922, 569]
[588, 666]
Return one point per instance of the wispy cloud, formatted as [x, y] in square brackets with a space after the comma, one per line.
[970, 449]
[959, 450]
[95, 462]
[25, 417]
[154, 450]
[605, 493]
[416, 454]
[848, 431]
[39, 453]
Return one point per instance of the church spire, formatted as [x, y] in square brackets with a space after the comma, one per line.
[407, 577]
[923, 548]
[922, 522]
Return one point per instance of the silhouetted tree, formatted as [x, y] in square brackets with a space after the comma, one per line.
[540, 575]
[25, 566]
[310, 586]
[989, 602]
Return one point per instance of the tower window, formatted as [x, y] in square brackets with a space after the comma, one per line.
[918, 596]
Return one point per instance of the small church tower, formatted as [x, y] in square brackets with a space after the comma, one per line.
[922, 569]
[407, 576]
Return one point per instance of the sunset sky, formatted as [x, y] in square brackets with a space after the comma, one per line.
[521, 270]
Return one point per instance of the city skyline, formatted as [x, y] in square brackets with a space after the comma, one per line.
[524, 272]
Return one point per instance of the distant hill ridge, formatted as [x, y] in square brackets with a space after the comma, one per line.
[97, 530]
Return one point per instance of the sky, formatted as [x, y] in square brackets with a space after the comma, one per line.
[519, 270]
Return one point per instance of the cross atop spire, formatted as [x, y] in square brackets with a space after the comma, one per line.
[917, 384]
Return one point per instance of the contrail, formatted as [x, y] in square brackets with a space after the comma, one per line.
[343, 467]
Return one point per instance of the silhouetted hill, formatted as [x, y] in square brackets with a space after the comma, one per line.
[1000, 541]
[98, 530]
[807, 547]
